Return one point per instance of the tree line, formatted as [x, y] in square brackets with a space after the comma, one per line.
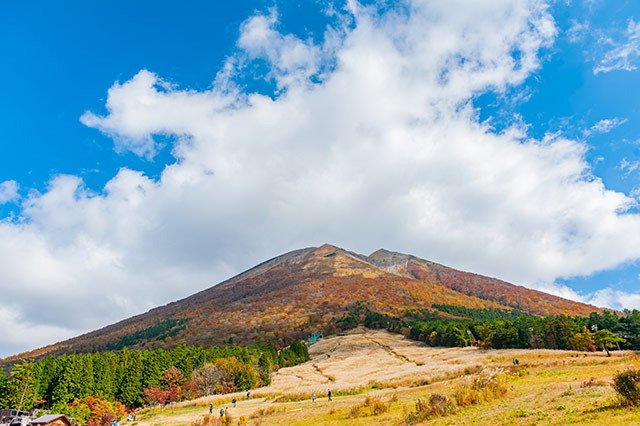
[90, 386]
[498, 329]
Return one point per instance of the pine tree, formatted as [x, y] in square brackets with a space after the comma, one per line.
[61, 394]
[48, 370]
[21, 387]
[152, 368]
[4, 389]
[129, 378]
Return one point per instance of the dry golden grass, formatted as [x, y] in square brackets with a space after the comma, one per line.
[375, 369]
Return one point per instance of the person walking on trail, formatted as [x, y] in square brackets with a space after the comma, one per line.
[313, 398]
[211, 408]
[221, 412]
[329, 394]
[248, 395]
[233, 401]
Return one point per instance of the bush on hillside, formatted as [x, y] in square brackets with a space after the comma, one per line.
[627, 385]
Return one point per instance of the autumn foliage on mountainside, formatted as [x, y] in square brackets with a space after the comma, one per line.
[298, 293]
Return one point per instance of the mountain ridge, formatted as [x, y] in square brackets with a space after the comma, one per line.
[305, 290]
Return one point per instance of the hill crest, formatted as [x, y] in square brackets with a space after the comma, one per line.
[291, 295]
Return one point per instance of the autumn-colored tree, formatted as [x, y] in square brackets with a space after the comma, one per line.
[93, 411]
[583, 341]
[155, 396]
[176, 386]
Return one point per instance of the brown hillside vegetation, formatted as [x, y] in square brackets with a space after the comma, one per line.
[306, 290]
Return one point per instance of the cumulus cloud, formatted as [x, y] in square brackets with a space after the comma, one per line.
[370, 140]
[622, 55]
[292, 61]
[8, 191]
[616, 298]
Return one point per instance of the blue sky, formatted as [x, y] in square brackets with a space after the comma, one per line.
[95, 198]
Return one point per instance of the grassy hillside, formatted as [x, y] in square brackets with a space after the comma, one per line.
[547, 388]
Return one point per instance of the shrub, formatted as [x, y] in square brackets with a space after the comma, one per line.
[439, 404]
[465, 396]
[492, 380]
[355, 411]
[422, 412]
[421, 405]
[627, 385]
[227, 420]
[490, 384]
[593, 382]
[378, 407]
[207, 420]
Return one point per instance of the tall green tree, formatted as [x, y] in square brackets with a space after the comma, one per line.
[129, 378]
[4, 389]
[21, 389]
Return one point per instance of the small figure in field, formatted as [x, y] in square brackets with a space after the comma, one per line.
[313, 397]
[329, 394]
[516, 362]
[248, 395]
[233, 401]
[115, 423]
[222, 412]
[211, 408]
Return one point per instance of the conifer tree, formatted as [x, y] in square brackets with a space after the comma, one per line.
[4, 390]
[21, 386]
[129, 378]
[152, 368]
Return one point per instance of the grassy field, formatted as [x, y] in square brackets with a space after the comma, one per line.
[382, 379]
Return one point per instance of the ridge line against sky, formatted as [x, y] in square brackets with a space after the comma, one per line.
[143, 165]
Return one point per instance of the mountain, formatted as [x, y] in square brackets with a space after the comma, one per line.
[307, 290]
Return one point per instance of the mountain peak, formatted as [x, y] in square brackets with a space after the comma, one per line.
[307, 290]
[384, 258]
[326, 249]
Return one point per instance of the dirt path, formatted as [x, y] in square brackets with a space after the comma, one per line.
[391, 351]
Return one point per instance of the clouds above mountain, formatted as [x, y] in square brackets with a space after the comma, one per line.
[622, 54]
[370, 139]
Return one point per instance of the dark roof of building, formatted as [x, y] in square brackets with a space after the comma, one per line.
[49, 418]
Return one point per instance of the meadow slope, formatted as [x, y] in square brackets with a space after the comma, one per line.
[548, 388]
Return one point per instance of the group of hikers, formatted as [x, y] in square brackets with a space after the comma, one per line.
[223, 410]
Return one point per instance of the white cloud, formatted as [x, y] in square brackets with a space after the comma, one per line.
[370, 142]
[616, 299]
[577, 31]
[8, 191]
[628, 167]
[292, 61]
[623, 55]
[605, 126]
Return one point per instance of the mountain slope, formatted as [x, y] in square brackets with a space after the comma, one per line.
[306, 290]
[507, 294]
